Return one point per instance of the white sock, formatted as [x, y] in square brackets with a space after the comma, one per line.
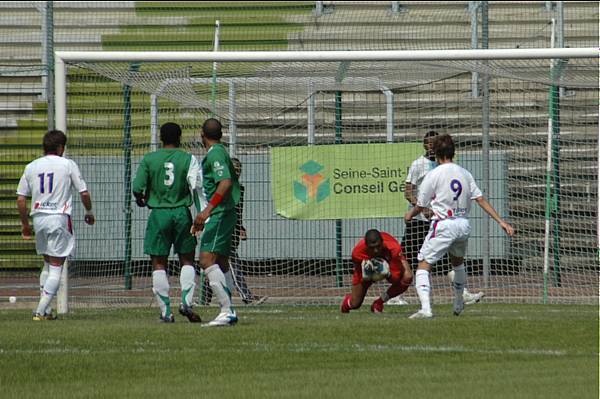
[160, 287]
[217, 282]
[229, 280]
[50, 287]
[423, 287]
[187, 281]
[460, 278]
[43, 276]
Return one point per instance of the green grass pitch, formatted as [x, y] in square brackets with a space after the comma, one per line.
[491, 351]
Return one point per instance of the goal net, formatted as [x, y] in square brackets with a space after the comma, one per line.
[325, 147]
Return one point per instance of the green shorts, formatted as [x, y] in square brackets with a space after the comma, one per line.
[166, 227]
[217, 233]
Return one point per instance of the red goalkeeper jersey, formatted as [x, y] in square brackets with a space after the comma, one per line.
[392, 253]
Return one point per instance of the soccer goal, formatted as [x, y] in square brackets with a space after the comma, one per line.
[325, 139]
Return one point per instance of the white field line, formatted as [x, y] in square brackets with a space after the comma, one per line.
[296, 348]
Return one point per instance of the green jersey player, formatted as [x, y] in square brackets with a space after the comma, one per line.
[164, 182]
[218, 219]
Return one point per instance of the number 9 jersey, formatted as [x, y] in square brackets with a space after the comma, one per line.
[448, 190]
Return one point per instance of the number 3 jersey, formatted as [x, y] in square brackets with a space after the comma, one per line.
[48, 181]
[167, 178]
[448, 190]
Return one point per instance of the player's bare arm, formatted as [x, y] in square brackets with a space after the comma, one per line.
[489, 209]
[86, 200]
[26, 232]
[409, 193]
[413, 212]
[223, 189]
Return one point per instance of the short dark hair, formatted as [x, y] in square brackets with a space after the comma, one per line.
[170, 133]
[443, 146]
[373, 236]
[429, 134]
[212, 129]
[52, 140]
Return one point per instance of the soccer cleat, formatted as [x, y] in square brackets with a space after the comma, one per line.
[50, 316]
[458, 306]
[377, 306]
[345, 308]
[187, 311]
[167, 319]
[38, 317]
[223, 319]
[421, 315]
[471, 299]
[398, 300]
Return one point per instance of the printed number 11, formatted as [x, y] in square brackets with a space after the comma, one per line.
[50, 182]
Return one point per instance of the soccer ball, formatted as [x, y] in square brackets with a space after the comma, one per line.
[375, 269]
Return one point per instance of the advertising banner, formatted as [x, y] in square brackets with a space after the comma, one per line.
[343, 181]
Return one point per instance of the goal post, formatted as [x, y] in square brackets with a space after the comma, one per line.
[386, 97]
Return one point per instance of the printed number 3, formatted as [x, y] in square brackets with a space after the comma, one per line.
[456, 187]
[169, 175]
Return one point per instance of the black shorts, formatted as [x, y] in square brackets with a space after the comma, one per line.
[414, 235]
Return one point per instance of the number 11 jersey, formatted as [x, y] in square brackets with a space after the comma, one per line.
[48, 181]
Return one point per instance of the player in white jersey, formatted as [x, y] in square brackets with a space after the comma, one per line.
[417, 228]
[48, 181]
[448, 190]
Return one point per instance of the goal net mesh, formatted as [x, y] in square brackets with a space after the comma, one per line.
[532, 148]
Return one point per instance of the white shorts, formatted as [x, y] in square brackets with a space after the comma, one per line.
[53, 234]
[445, 236]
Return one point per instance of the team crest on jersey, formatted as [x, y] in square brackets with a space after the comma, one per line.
[218, 168]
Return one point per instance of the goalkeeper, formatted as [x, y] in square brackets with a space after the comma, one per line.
[375, 245]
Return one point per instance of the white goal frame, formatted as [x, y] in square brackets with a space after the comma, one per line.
[62, 57]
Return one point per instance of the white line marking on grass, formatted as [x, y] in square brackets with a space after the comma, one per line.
[261, 311]
[297, 348]
[563, 310]
[420, 348]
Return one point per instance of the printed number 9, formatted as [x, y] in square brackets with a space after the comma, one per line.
[169, 175]
[456, 187]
